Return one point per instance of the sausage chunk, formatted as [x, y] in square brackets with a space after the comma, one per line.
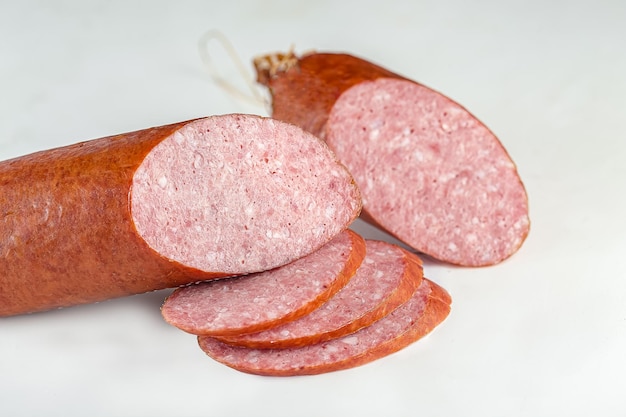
[166, 206]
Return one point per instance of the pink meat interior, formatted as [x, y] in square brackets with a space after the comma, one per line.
[239, 194]
[430, 172]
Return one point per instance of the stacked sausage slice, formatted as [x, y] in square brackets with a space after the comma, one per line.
[385, 305]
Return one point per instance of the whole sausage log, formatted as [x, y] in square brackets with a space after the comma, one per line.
[430, 173]
[162, 207]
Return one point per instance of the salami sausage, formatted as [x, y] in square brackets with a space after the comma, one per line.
[260, 301]
[166, 206]
[387, 278]
[431, 174]
[428, 306]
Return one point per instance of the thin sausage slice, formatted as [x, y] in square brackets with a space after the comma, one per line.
[429, 305]
[260, 301]
[431, 173]
[387, 278]
[163, 207]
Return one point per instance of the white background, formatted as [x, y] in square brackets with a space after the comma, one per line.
[541, 334]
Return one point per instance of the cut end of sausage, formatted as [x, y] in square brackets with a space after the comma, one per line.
[239, 193]
[429, 172]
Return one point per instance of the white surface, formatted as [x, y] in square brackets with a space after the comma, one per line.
[542, 334]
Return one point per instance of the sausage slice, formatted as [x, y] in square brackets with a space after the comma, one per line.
[428, 306]
[166, 206]
[387, 278]
[260, 301]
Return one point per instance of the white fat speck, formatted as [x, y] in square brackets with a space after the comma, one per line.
[351, 340]
[162, 182]
[278, 234]
[330, 212]
[331, 348]
[520, 223]
[368, 261]
[316, 283]
[418, 156]
[475, 220]
[179, 138]
[379, 274]
[471, 238]
[406, 131]
[374, 134]
[198, 228]
[452, 247]
[317, 232]
[382, 96]
[198, 160]
[447, 177]
[285, 333]
[249, 210]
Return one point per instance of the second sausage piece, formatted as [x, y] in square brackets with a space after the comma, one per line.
[430, 173]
